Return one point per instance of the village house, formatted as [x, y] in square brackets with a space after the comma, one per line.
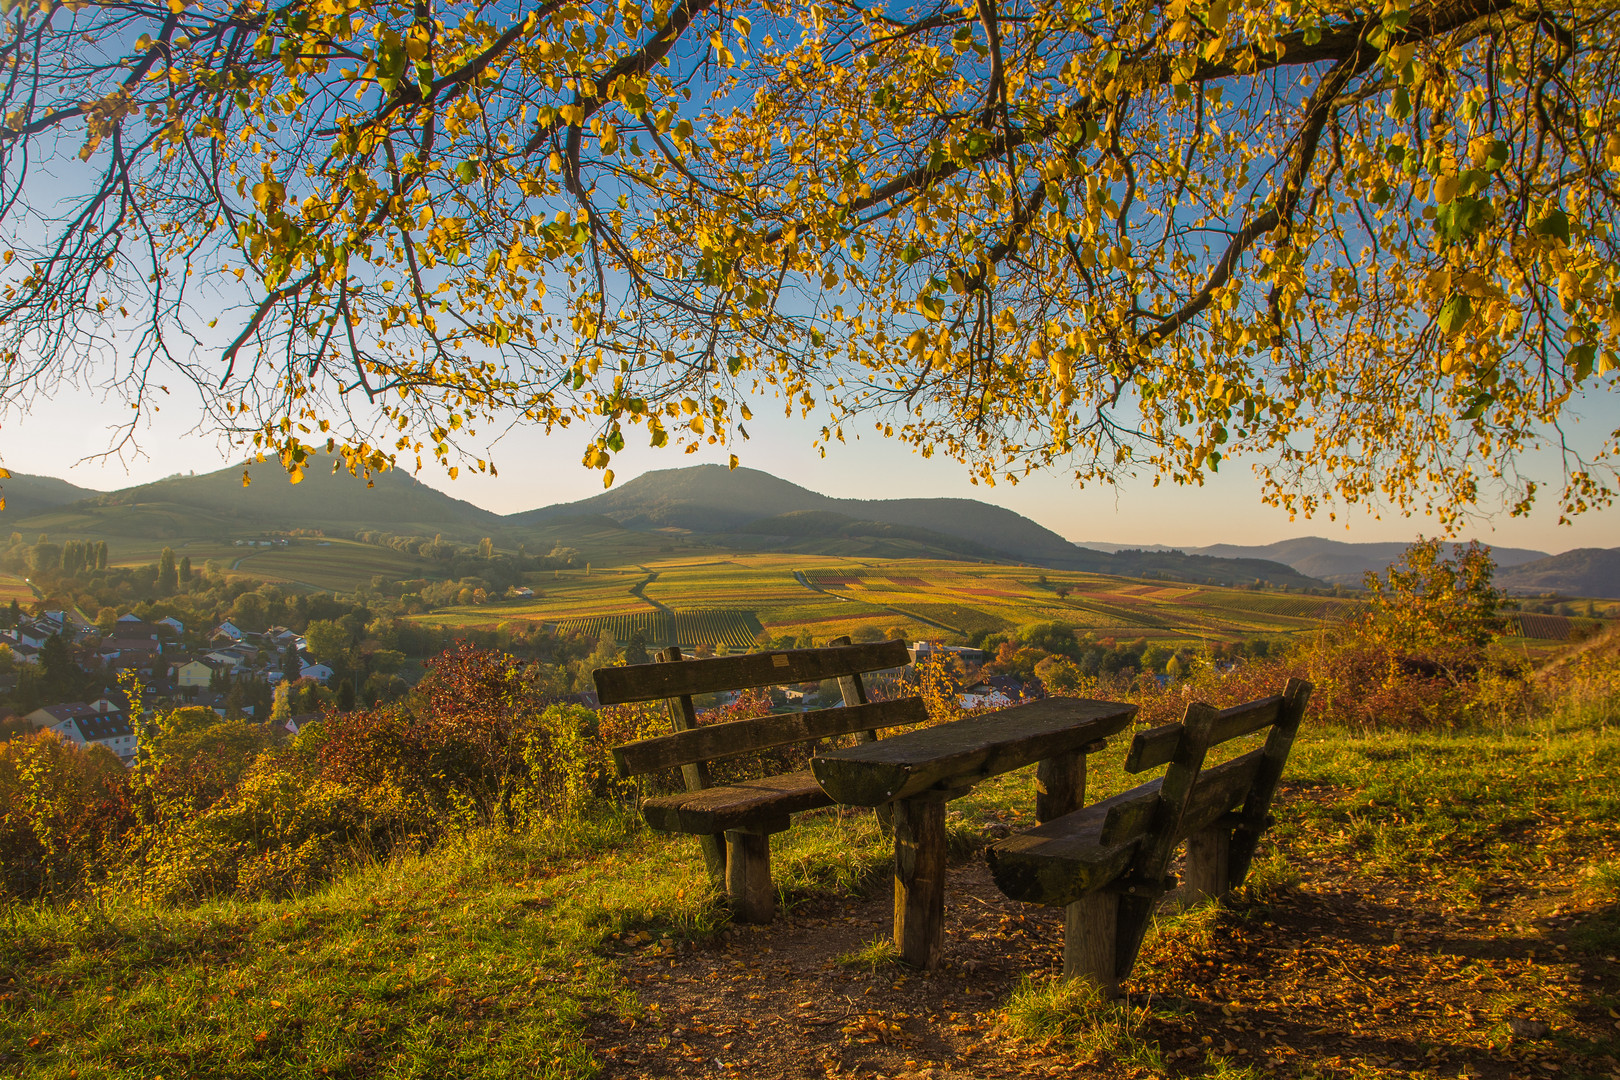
[110, 729]
[982, 695]
[195, 673]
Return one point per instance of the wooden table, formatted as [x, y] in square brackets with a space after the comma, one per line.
[920, 771]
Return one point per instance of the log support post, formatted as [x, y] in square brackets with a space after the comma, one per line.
[1060, 785]
[1090, 925]
[748, 876]
[1208, 865]
[919, 878]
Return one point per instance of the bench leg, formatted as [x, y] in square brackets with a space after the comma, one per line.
[714, 858]
[919, 879]
[1089, 928]
[748, 877]
[1208, 866]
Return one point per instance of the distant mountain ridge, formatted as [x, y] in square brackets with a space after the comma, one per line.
[1342, 562]
[736, 506]
[28, 495]
[1593, 572]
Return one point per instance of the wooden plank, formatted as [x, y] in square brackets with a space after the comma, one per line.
[919, 879]
[1245, 719]
[1257, 808]
[1207, 865]
[1152, 747]
[646, 682]
[1152, 861]
[1216, 791]
[717, 742]
[1059, 862]
[1089, 925]
[968, 750]
[853, 691]
[1063, 860]
[1060, 785]
[1155, 746]
[735, 806]
[748, 877]
[695, 774]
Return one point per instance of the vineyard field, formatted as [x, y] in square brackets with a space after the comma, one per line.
[821, 597]
[688, 629]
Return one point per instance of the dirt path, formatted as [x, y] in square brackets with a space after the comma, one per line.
[1335, 974]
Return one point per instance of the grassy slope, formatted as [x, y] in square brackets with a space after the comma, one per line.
[482, 960]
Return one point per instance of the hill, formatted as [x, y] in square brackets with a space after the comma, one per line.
[752, 510]
[29, 495]
[218, 503]
[1591, 572]
[1340, 562]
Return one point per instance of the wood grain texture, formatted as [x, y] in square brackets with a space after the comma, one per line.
[648, 682]
[919, 879]
[1060, 785]
[1089, 925]
[695, 774]
[748, 877]
[717, 742]
[1217, 790]
[1257, 807]
[1064, 859]
[735, 806]
[1155, 746]
[962, 752]
[1207, 876]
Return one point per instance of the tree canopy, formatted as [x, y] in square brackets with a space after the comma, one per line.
[1370, 249]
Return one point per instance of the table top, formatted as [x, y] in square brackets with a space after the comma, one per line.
[958, 753]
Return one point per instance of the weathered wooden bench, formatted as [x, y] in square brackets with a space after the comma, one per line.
[735, 821]
[1108, 864]
[920, 771]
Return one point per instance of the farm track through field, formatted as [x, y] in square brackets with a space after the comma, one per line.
[636, 590]
[805, 581]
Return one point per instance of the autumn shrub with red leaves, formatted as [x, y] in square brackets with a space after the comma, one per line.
[63, 812]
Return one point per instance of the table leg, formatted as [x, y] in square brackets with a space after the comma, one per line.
[919, 878]
[1060, 785]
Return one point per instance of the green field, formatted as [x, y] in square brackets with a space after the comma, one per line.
[338, 565]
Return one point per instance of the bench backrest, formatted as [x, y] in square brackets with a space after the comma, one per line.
[691, 747]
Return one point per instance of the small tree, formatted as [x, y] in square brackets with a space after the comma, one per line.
[1428, 602]
[168, 577]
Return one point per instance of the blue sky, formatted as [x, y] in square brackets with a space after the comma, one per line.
[53, 437]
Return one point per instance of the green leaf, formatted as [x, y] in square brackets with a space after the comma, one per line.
[467, 172]
[615, 441]
[1455, 314]
[1476, 408]
[1555, 224]
[1579, 360]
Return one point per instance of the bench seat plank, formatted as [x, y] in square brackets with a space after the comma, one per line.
[735, 806]
[646, 682]
[1068, 857]
[961, 752]
[718, 742]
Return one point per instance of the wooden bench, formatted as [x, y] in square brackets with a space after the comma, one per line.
[735, 821]
[1108, 864]
[920, 771]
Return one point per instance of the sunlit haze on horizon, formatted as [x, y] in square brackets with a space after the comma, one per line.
[57, 438]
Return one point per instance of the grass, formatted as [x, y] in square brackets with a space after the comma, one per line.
[491, 956]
